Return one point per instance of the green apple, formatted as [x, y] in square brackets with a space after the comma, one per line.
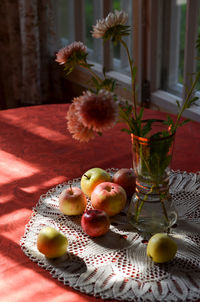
[51, 242]
[92, 178]
[161, 248]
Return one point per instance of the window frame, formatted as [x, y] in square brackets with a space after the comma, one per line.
[147, 52]
[166, 101]
[82, 76]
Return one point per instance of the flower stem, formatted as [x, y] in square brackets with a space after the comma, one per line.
[132, 77]
[142, 203]
[185, 105]
[164, 211]
[92, 72]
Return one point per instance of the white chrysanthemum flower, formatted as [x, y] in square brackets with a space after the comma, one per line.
[113, 19]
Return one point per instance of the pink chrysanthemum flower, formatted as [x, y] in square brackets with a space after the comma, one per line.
[112, 20]
[97, 112]
[66, 52]
[77, 129]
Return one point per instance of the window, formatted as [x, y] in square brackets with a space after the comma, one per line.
[162, 42]
[177, 29]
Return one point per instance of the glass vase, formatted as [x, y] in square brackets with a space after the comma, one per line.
[151, 208]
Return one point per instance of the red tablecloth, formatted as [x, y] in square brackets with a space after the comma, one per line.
[37, 153]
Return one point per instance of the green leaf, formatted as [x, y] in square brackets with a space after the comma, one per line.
[184, 122]
[140, 115]
[147, 127]
[178, 104]
[126, 130]
[169, 122]
[114, 84]
[198, 43]
[134, 71]
[157, 135]
[95, 82]
[115, 33]
[192, 101]
[86, 65]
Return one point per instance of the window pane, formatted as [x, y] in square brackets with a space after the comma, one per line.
[116, 48]
[198, 53]
[173, 45]
[120, 60]
[65, 21]
[89, 13]
[182, 5]
[93, 12]
[198, 59]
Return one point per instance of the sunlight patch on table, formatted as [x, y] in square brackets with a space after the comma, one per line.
[13, 168]
[47, 183]
[6, 198]
[36, 129]
[29, 189]
[12, 117]
[54, 181]
[22, 283]
[47, 133]
[12, 225]
[14, 218]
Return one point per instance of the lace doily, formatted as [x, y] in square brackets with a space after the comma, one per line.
[115, 266]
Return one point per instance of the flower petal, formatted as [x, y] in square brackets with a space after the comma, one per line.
[97, 112]
[113, 19]
[66, 52]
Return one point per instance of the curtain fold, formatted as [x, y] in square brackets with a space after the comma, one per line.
[28, 42]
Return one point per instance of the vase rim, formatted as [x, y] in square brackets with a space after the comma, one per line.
[147, 140]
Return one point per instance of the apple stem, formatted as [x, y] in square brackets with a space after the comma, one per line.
[86, 176]
[70, 186]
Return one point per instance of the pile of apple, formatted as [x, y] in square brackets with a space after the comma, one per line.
[108, 196]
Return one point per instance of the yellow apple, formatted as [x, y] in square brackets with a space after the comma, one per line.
[72, 201]
[92, 178]
[51, 242]
[161, 248]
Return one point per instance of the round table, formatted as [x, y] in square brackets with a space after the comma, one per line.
[37, 153]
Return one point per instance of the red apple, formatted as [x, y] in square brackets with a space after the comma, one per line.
[109, 197]
[72, 201]
[126, 178]
[51, 242]
[95, 223]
